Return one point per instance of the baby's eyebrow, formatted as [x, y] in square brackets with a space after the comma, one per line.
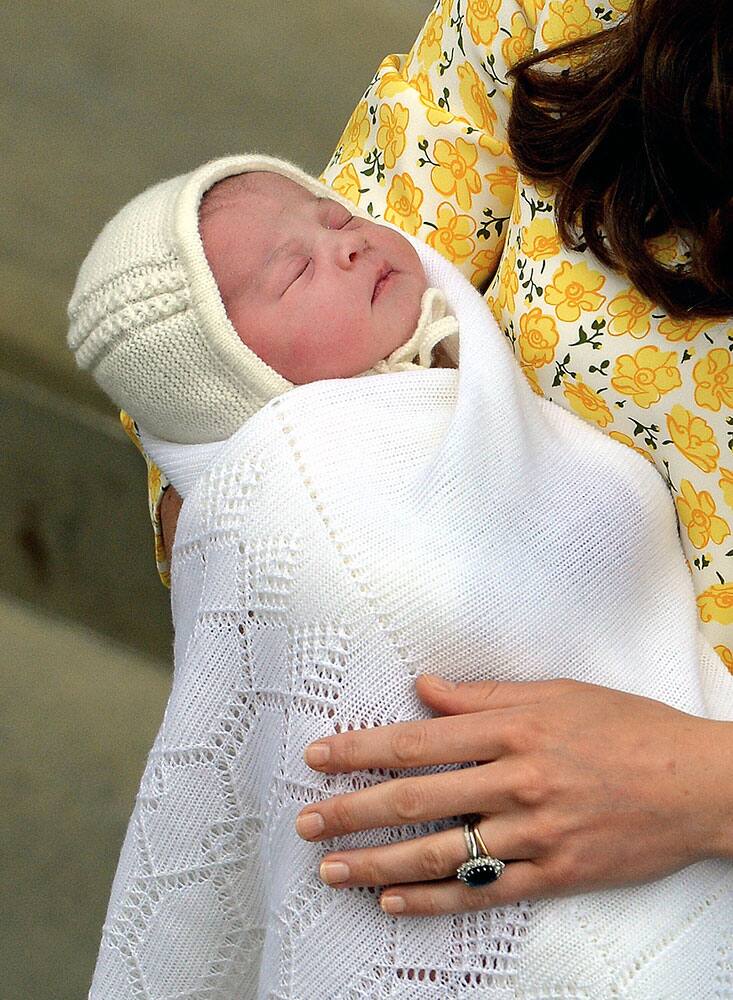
[252, 280]
[279, 252]
[291, 244]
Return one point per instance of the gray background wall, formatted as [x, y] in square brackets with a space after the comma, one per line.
[99, 100]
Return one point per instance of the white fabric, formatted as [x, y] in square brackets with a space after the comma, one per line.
[352, 534]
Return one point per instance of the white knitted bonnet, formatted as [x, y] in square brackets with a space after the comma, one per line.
[147, 319]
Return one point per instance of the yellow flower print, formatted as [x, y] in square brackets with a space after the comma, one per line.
[494, 307]
[503, 184]
[726, 656]
[516, 206]
[629, 442]
[431, 43]
[541, 239]
[485, 262]
[481, 20]
[647, 375]
[574, 287]
[697, 514]
[128, 425]
[476, 102]
[586, 402]
[392, 80]
[520, 42]
[154, 485]
[716, 603]
[538, 338]
[347, 183]
[545, 189]
[693, 437]
[403, 202]
[391, 132]
[453, 235]
[421, 83]
[568, 20]
[439, 116]
[455, 173]
[508, 280]
[684, 329]
[713, 377]
[160, 556]
[355, 134]
[726, 484]
[436, 115]
[531, 375]
[663, 248]
[631, 313]
[532, 9]
[494, 146]
[622, 6]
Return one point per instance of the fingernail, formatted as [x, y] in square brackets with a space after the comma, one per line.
[392, 904]
[440, 682]
[309, 825]
[317, 754]
[334, 871]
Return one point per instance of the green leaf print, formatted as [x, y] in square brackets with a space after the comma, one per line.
[651, 431]
[375, 162]
[497, 221]
[443, 65]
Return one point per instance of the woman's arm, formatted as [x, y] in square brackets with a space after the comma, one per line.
[170, 508]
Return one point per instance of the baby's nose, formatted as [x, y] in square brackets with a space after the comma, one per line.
[351, 246]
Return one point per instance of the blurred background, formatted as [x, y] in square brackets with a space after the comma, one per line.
[101, 99]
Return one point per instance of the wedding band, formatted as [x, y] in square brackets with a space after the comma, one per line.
[481, 868]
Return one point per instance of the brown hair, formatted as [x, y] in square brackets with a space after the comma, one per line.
[637, 135]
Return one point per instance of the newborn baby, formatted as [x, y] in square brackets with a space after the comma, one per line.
[214, 292]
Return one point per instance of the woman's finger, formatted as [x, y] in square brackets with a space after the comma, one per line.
[473, 727]
[479, 696]
[476, 696]
[422, 859]
[412, 744]
[487, 788]
[521, 880]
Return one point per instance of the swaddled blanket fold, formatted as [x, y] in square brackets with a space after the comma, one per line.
[352, 534]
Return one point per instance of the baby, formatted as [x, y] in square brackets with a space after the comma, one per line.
[214, 292]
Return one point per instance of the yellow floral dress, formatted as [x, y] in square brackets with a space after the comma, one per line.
[426, 149]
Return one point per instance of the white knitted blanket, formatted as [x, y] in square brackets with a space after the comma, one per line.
[352, 534]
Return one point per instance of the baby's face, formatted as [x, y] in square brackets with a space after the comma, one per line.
[298, 276]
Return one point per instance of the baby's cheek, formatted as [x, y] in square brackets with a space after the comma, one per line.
[301, 360]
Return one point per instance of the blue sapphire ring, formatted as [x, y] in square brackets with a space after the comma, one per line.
[481, 868]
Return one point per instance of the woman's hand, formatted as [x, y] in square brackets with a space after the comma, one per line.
[578, 787]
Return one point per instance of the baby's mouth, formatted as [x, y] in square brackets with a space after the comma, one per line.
[381, 280]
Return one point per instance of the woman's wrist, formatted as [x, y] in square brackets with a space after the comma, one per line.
[717, 760]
